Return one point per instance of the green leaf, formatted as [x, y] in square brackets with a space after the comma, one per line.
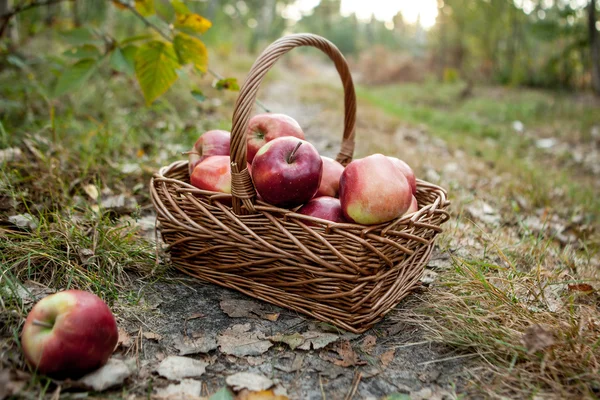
[145, 7]
[136, 38]
[122, 60]
[74, 76]
[191, 50]
[198, 95]
[227, 84]
[80, 36]
[180, 7]
[155, 67]
[85, 51]
[222, 394]
[165, 10]
[192, 23]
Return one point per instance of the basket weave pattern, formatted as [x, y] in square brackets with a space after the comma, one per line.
[346, 274]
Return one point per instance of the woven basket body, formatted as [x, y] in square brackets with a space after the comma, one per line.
[346, 274]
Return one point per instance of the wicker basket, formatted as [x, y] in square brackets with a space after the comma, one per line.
[349, 275]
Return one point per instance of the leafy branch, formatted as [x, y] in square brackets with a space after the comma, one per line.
[5, 18]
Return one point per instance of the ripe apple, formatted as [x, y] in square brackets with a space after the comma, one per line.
[69, 334]
[330, 182]
[214, 174]
[211, 143]
[287, 171]
[407, 171]
[373, 190]
[414, 206]
[263, 128]
[324, 207]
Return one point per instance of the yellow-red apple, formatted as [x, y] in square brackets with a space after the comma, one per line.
[287, 171]
[324, 207]
[414, 206]
[263, 128]
[330, 182]
[373, 190]
[69, 334]
[210, 143]
[407, 171]
[214, 174]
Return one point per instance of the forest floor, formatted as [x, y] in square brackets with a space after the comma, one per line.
[510, 301]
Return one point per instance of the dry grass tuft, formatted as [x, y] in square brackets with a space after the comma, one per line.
[502, 315]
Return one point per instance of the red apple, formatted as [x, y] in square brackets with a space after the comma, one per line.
[330, 182]
[69, 334]
[324, 207]
[263, 128]
[214, 174]
[414, 206]
[211, 143]
[407, 171]
[373, 190]
[287, 171]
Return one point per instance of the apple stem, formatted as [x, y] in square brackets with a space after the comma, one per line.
[293, 153]
[37, 322]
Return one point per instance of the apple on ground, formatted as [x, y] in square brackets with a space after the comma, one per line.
[213, 174]
[324, 207]
[211, 143]
[407, 171]
[263, 128]
[330, 182]
[414, 206]
[287, 171]
[69, 334]
[373, 190]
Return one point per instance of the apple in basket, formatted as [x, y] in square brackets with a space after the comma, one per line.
[330, 182]
[287, 172]
[263, 128]
[373, 190]
[324, 207]
[69, 334]
[414, 206]
[213, 174]
[210, 143]
[407, 171]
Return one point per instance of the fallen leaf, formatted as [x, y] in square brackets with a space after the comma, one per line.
[85, 255]
[11, 383]
[119, 204]
[317, 340]
[91, 191]
[186, 389]
[250, 381]
[241, 308]
[368, 344]
[428, 277]
[237, 341]
[177, 368]
[255, 360]
[537, 337]
[10, 154]
[347, 355]
[124, 338]
[581, 287]
[199, 344]
[294, 366]
[387, 357]
[262, 395]
[294, 340]
[484, 212]
[112, 374]
[271, 317]
[24, 221]
[152, 336]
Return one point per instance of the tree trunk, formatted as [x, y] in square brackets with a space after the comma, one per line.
[594, 47]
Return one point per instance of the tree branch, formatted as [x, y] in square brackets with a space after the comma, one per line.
[5, 18]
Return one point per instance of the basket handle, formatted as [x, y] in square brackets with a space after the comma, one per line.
[242, 188]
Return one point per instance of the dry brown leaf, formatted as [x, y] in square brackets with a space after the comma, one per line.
[241, 308]
[199, 344]
[317, 340]
[124, 338]
[294, 340]
[581, 287]
[91, 191]
[537, 337]
[368, 344]
[238, 341]
[387, 357]
[177, 368]
[262, 395]
[152, 336]
[271, 317]
[348, 356]
[249, 381]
